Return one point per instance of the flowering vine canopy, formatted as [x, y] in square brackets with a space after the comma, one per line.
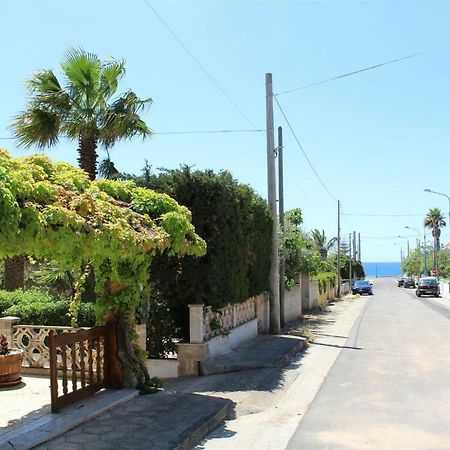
[54, 212]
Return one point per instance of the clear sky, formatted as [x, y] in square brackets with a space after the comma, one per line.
[377, 139]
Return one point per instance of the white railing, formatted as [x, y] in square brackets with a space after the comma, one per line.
[33, 340]
[220, 322]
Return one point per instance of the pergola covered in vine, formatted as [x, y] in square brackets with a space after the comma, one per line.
[52, 211]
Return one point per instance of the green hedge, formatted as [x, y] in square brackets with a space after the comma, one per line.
[36, 307]
[323, 277]
[236, 225]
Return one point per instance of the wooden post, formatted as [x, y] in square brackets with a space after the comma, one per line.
[53, 372]
[113, 366]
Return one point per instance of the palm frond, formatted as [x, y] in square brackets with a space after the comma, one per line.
[39, 126]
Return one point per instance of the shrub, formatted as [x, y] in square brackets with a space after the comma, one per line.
[36, 307]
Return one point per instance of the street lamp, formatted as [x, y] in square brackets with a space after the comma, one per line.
[445, 195]
[418, 234]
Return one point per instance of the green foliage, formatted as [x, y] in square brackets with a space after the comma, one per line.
[53, 212]
[414, 264]
[161, 329]
[301, 255]
[236, 226]
[151, 387]
[36, 307]
[323, 278]
[357, 267]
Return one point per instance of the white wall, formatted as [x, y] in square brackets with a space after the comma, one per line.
[243, 333]
[292, 304]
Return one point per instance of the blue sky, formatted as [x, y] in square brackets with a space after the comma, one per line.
[377, 139]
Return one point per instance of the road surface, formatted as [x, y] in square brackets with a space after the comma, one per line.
[390, 386]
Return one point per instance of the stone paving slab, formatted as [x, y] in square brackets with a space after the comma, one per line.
[160, 421]
[41, 426]
[262, 352]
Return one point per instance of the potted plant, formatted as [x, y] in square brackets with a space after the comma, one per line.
[10, 364]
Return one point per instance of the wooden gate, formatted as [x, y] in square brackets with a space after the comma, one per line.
[86, 361]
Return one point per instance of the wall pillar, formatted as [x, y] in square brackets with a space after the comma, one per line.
[196, 325]
[304, 288]
[6, 328]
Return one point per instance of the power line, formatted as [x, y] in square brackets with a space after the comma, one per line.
[209, 132]
[365, 69]
[384, 215]
[200, 65]
[303, 151]
[388, 237]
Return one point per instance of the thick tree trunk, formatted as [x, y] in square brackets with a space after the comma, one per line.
[88, 156]
[14, 273]
[134, 371]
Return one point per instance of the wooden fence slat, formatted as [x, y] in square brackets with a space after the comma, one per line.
[64, 369]
[53, 370]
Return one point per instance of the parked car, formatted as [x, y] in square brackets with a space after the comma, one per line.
[362, 287]
[428, 286]
[400, 282]
[409, 282]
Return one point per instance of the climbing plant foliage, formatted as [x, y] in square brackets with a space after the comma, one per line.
[53, 211]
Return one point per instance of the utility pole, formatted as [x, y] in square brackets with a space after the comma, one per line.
[339, 249]
[281, 215]
[354, 246]
[424, 252]
[407, 247]
[274, 297]
[350, 259]
[359, 247]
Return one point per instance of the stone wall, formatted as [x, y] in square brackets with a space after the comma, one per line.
[292, 304]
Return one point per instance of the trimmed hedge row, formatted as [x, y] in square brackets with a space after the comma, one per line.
[236, 225]
[36, 307]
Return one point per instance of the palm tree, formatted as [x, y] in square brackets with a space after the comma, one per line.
[82, 109]
[435, 221]
[321, 243]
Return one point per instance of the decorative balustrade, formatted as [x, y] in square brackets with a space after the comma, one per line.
[220, 322]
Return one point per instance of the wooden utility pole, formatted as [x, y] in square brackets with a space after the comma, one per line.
[359, 247]
[354, 247]
[274, 296]
[339, 249]
[350, 258]
[281, 216]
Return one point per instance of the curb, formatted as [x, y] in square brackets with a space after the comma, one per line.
[209, 368]
[197, 433]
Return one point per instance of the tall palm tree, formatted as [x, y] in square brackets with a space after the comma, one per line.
[321, 243]
[82, 108]
[435, 221]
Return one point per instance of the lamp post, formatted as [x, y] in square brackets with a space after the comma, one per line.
[444, 195]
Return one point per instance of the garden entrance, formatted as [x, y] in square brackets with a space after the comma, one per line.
[86, 361]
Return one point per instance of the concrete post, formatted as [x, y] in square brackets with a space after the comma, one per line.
[6, 328]
[196, 325]
[304, 287]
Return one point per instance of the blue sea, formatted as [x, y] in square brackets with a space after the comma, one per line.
[382, 269]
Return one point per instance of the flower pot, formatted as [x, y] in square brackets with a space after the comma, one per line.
[10, 368]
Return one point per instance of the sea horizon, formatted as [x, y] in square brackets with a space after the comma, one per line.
[382, 269]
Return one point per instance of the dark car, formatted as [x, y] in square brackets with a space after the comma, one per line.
[409, 282]
[362, 287]
[400, 282]
[428, 286]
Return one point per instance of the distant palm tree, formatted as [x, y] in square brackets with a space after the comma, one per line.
[435, 221]
[82, 109]
[321, 243]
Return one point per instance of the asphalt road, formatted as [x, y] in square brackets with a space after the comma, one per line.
[390, 386]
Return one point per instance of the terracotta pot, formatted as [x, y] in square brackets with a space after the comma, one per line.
[10, 368]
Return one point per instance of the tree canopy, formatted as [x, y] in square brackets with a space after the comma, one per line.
[53, 211]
